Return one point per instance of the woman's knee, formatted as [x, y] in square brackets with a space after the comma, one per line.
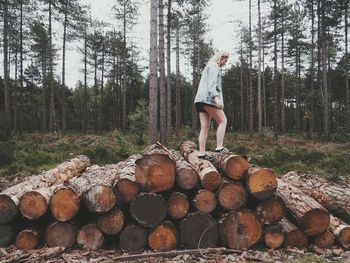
[205, 127]
[222, 120]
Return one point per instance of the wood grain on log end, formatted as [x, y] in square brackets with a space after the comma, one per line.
[271, 210]
[155, 172]
[100, 199]
[240, 229]
[8, 209]
[60, 234]
[33, 205]
[344, 237]
[64, 204]
[133, 239]
[262, 182]
[187, 178]
[273, 236]
[7, 234]
[163, 237]
[204, 201]
[199, 230]
[28, 239]
[315, 221]
[211, 180]
[231, 195]
[148, 209]
[324, 240]
[126, 190]
[90, 237]
[178, 205]
[236, 167]
[112, 222]
[293, 236]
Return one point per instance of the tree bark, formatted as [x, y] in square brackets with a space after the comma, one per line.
[310, 216]
[169, 95]
[63, 93]
[8, 119]
[177, 81]
[259, 71]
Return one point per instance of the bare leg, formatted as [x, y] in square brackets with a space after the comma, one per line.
[220, 118]
[204, 119]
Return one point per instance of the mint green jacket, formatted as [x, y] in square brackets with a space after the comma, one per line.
[210, 85]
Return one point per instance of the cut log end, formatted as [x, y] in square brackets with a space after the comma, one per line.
[100, 199]
[133, 239]
[163, 237]
[211, 181]
[199, 231]
[262, 183]
[148, 209]
[64, 204]
[112, 222]
[187, 178]
[8, 209]
[344, 237]
[126, 190]
[295, 238]
[33, 205]
[324, 240]
[271, 210]
[178, 205]
[7, 234]
[240, 229]
[236, 167]
[315, 221]
[60, 234]
[204, 201]
[231, 196]
[90, 237]
[27, 239]
[155, 172]
[273, 236]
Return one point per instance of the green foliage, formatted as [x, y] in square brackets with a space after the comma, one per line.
[7, 150]
[139, 121]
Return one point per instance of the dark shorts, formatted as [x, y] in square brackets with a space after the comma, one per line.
[200, 106]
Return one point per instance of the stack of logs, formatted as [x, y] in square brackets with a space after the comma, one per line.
[162, 199]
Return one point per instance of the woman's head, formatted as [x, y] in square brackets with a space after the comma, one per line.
[220, 58]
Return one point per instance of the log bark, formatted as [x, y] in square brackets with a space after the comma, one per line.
[293, 236]
[209, 176]
[148, 209]
[233, 166]
[198, 230]
[324, 240]
[7, 234]
[90, 237]
[341, 231]
[186, 177]
[178, 205]
[231, 195]
[66, 197]
[163, 237]
[60, 234]
[9, 198]
[28, 239]
[271, 210]
[309, 215]
[240, 229]
[155, 172]
[273, 236]
[133, 238]
[112, 222]
[99, 199]
[334, 197]
[261, 182]
[204, 201]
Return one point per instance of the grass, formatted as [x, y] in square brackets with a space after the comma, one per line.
[32, 153]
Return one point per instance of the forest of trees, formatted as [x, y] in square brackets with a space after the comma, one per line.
[291, 76]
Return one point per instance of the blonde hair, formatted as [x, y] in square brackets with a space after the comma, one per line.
[217, 57]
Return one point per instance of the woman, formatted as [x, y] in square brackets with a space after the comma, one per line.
[209, 104]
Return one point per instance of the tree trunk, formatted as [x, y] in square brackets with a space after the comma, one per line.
[178, 87]
[112, 222]
[52, 117]
[178, 205]
[261, 182]
[199, 230]
[276, 97]
[63, 93]
[251, 94]
[90, 237]
[142, 209]
[9, 198]
[163, 237]
[273, 236]
[20, 113]
[283, 117]
[312, 72]
[169, 96]
[333, 197]
[231, 195]
[259, 71]
[347, 89]
[293, 236]
[60, 234]
[153, 94]
[133, 239]
[242, 88]
[85, 98]
[310, 216]
[209, 176]
[8, 119]
[240, 229]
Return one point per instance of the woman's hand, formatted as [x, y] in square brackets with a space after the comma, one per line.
[218, 102]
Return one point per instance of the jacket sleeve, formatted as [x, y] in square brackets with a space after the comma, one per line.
[213, 72]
